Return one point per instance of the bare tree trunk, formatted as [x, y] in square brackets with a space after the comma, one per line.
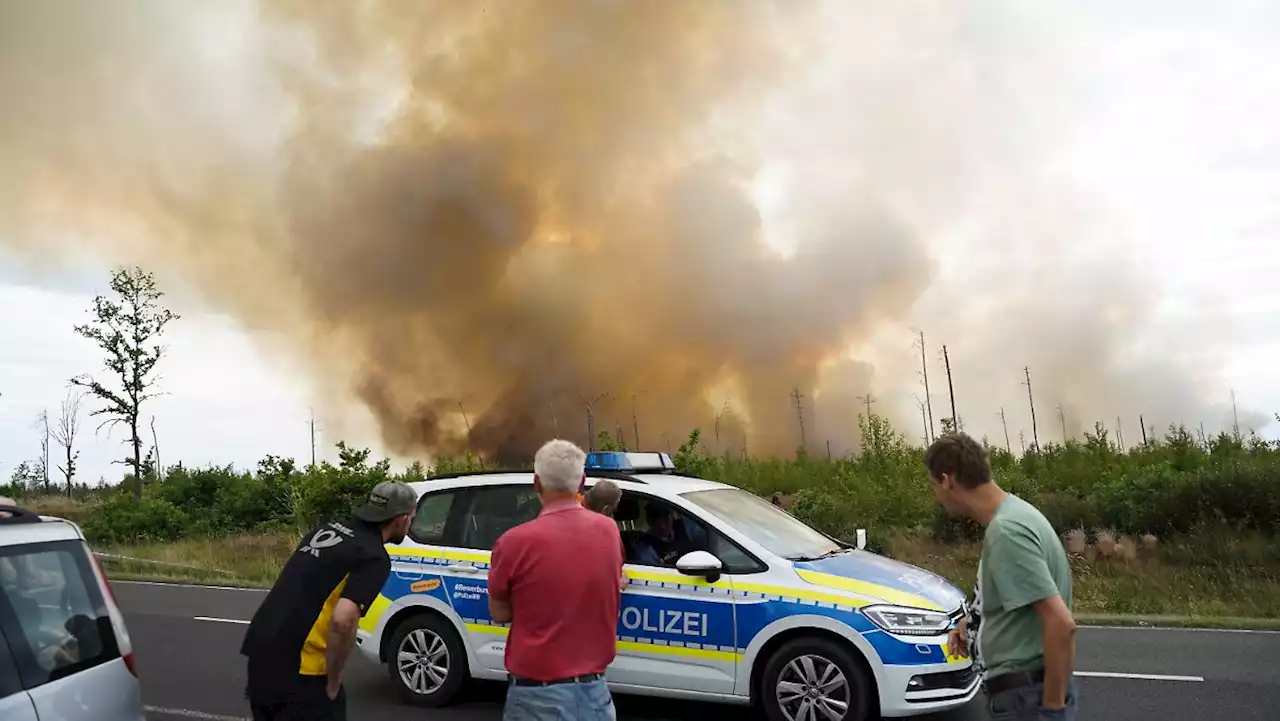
[137, 456]
[155, 444]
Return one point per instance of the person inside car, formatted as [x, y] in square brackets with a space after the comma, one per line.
[667, 538]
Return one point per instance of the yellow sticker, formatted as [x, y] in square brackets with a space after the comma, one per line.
[954, 658]
[430, 584]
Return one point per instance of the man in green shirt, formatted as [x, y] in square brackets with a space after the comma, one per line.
[1020, 628]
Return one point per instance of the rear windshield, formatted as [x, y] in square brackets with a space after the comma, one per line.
[53, 615]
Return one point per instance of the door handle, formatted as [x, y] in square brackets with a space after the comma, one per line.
[461, 568]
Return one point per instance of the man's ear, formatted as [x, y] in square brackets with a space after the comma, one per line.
[537, 484]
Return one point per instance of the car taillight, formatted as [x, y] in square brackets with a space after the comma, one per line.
[117, 619]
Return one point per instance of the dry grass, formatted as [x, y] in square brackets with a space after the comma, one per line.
[1105, 541]
[1076, 542]
[237, 560]
[72, 509]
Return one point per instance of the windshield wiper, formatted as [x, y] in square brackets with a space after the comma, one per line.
[828, 554]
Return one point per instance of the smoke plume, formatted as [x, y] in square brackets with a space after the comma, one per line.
[489, 223]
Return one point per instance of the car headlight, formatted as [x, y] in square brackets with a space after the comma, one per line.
[908, 621]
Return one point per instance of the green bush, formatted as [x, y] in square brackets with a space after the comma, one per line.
[1173, 485]
[125, 519]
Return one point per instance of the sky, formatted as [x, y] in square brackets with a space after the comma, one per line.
[1048, 151]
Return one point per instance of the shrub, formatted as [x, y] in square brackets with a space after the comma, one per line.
[1166, 487]
[125, 519]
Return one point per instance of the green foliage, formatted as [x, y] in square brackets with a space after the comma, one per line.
[126, 327]
[605, 442]
[1168, 486]
[124, 518]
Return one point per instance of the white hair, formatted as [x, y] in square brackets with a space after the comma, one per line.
[559, 464]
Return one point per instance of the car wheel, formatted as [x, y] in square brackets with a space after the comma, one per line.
[426, 661]
[814, 679]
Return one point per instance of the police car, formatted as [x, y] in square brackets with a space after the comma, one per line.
[756, 608]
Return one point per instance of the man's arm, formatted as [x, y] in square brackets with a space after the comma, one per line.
[500, 582]
[341, 638]
[364, 584]
[1059, 649]
[500, 611]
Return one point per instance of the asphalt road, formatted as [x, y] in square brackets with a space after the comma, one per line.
[190, 668]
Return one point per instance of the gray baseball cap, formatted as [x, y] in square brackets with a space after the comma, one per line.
[386, 501]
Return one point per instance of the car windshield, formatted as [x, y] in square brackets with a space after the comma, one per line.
[764, 523]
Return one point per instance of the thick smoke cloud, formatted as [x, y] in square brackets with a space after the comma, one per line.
[480, 220]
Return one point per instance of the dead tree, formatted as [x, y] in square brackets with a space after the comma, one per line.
[65, 435]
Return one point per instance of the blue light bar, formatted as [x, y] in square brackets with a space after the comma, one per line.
[633, 462]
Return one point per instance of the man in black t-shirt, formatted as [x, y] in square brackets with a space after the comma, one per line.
[299, 640]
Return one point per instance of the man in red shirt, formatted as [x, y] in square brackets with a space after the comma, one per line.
[555, 579]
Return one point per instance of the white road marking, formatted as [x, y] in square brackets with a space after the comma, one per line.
[188, 585]
[215, 619]
[1139, 676]
[188, 713]
[1263, 632]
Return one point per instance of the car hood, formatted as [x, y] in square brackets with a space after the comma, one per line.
[882, 580]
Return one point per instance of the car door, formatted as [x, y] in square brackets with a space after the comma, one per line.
[58, 628]
[674, 631]
[419, 562]
[15, 703]
[489, 512]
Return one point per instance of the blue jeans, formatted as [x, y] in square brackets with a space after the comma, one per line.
[589, 701]
[1023, 704]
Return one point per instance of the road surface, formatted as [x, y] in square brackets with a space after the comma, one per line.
[186, 640]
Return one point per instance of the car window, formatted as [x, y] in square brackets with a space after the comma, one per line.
[9, 681]
[764, 523]
[494, 510]
[433, 516]
[688, 533]
[52, 611]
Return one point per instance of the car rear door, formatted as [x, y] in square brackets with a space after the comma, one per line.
[15, 702]
[59, 628]
[491, 510]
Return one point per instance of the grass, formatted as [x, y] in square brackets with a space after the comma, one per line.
[253, 561]
[1182, 583]
[1209, 576]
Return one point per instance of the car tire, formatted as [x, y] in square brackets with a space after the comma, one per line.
[435, 669]
[815, 671]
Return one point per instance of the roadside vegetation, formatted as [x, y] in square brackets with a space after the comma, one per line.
[1175, 526]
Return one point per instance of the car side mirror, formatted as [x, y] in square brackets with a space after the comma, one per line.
[700, 563]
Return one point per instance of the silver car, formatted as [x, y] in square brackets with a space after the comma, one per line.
[64, 650]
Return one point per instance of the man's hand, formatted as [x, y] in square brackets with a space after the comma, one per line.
[957, 641]
[332, 686]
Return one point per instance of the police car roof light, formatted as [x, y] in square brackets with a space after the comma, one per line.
[623, 461]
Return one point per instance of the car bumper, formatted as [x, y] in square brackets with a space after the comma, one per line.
[368, 645]
[928, 688]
